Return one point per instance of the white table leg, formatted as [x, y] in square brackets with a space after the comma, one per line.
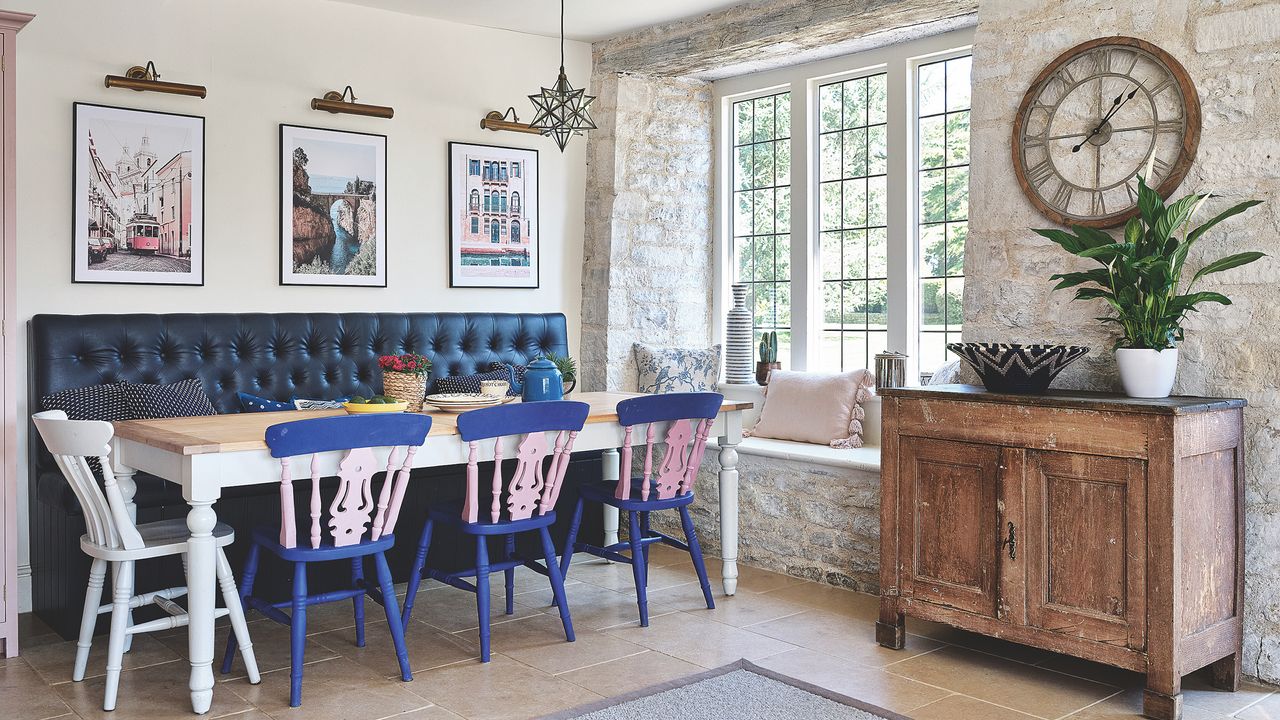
[610, 461]
[202, 560]
[729, 500]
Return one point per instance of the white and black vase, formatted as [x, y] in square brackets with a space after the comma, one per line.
[739, 341]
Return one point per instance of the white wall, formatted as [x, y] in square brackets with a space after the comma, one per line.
[262, 63]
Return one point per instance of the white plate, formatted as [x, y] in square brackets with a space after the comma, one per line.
[463, 399]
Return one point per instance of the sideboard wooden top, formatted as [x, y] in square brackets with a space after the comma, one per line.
[1079, 399]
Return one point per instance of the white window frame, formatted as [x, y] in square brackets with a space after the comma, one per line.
[900, 63]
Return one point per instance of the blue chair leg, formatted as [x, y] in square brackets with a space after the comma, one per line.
[246, 590]
[644, 533]
[557, 582]
[567, 556]
[357, 581]
[482, 594]
[511, 576]
[638, 569]
[393, 615]
[297, 633]
[695, 551]
[415, 577]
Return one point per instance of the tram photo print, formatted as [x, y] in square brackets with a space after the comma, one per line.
[139, 196]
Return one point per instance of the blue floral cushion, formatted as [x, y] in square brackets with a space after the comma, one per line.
[674, 369]
[470, 383]
[253, 403]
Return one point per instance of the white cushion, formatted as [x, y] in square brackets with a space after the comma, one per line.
[822, 408]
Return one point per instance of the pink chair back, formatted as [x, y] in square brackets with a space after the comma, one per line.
[691, 416]
[352, 508]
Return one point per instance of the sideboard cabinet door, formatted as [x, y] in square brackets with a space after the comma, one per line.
[948, 523]
[1086, 546]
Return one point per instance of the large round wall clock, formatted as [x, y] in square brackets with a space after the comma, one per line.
[1091, 122]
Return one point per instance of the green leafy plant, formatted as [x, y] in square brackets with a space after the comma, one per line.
[567, 366]
[1141, 273]
[769, 347]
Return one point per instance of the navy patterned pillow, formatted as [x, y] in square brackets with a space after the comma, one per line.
[516, 372]
[469, 383]
[184, 398]
[96, 402]
[253, 403]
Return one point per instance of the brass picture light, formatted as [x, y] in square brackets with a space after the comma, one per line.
[496, 121]
[337, 102]
[146, 78]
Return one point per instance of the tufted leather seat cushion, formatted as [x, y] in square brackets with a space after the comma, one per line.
[277, 355]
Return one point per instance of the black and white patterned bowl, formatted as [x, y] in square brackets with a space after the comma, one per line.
[1022, 369]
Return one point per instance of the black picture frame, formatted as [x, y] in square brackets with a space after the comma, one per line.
[454, 218]
[84, 273]
[289, 279]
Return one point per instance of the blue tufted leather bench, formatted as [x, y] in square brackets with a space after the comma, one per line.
[279, 355]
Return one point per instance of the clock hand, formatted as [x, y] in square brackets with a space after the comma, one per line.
[1116, 104]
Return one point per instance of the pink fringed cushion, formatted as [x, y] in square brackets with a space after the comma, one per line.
[821, 408]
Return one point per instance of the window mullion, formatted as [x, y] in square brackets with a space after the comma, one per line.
[804, 250]
[900, 207]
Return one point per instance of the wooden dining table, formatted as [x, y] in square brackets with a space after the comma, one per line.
[206, 454]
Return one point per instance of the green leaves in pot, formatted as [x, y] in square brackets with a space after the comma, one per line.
[1141, 274]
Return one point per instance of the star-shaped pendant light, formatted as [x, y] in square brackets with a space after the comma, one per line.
[561, 111]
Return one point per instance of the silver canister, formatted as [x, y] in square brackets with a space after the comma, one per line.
[891, 370]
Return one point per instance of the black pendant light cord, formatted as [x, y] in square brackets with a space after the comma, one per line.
[561, 35]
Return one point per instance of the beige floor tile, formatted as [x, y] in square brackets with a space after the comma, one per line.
[749, 578]
[839, 635]
[1197, 692]
[271, 644]
[428, 647]
[831, 599]
[451, 610]
[630, 674]
[891, 692]
[525, 581]
[55, 661]
[33, 632]
[24, 694]
[431, 712]
[330, 689]
[1089, 670]
[990, 645]
[539, 642]
[700, 641]
[963, 707]
[502, 689]
[742, 609]
[1266, 709]
[618, 576]
[160, 691]
[1004, 682]
[1127, 705]
[594, 607]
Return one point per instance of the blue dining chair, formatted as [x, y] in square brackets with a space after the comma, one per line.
[666, 486]
[351, 537]
[525, 503]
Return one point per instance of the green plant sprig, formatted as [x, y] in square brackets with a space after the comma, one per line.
[769, 347]
[1140, 274]
[567, 366]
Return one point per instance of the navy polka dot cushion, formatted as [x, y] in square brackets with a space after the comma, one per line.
[516, 373]
[469, 383]
[184, 398]
[96, 402]
[253, 403]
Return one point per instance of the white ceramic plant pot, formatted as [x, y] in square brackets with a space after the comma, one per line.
[1147, 373]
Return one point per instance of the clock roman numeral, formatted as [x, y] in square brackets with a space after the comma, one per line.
[1062, 197]
[1133, 192]
[1168, 126]
[1164, 85]
[1161, 168]
[1097, 203]
[1039, 173]
[1116, 61]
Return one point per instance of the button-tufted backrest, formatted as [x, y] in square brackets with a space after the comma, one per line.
[277, 355]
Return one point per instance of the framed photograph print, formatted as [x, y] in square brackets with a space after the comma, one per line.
[333, 207]
[138, 194]
[493, 216]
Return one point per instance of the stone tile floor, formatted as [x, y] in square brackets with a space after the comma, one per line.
[806, 630]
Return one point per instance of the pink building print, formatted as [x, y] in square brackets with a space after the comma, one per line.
[496, 230]
[173, 195]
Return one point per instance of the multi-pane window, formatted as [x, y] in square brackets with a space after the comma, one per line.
[761, 221]
[853, 221]
[942, 91]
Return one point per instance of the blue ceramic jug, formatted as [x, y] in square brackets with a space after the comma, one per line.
[542, 381]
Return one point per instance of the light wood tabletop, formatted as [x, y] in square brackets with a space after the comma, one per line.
[244, 431]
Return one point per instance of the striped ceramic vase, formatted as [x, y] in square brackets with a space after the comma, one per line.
[739, 341]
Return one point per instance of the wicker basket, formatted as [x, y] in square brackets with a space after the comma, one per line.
[406, 387]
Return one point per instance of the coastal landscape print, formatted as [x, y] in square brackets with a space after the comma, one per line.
[139, 196]
[333, 207]
[494, 231]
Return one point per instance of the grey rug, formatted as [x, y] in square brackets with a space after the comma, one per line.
[734, 692]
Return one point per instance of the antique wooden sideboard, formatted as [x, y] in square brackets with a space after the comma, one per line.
[1099, 526]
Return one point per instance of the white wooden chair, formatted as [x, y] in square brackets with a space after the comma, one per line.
[114, 538]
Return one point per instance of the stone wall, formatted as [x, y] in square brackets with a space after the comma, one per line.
[811, 521]
[648, 252]
[1232, 51]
